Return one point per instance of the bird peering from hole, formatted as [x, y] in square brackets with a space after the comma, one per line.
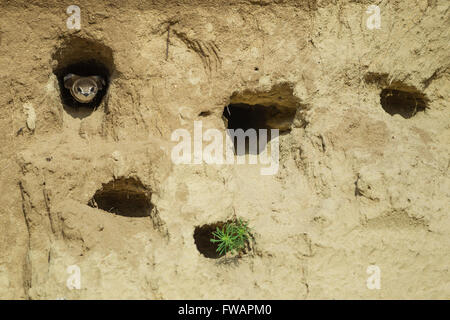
[83, 89]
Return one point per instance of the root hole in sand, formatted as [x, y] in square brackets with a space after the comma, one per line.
[404, 103]
[125, 197]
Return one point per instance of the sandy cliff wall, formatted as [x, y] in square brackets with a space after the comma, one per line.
[363, 179]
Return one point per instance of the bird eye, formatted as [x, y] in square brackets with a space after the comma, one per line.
[79, 89]
[92, 89]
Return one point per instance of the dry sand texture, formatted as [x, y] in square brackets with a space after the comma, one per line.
[363, 177]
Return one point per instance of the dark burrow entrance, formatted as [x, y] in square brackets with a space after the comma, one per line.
[203, 235]
[85, 69]
[82, 57]
[272, 109]
[125, 197]
[245, 117]
[202, 238]
[404, 103]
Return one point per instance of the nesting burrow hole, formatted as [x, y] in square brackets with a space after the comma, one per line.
[82, 57]
[405, 103]
[202, 238]
[125, 197]
[273, 109]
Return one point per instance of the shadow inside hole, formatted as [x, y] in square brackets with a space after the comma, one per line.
[85, 68]
[204, 114]
[125, 197]
[202, 238]
[249, 117]
[406, 104]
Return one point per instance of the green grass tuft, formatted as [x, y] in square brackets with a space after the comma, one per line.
[232, 237]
